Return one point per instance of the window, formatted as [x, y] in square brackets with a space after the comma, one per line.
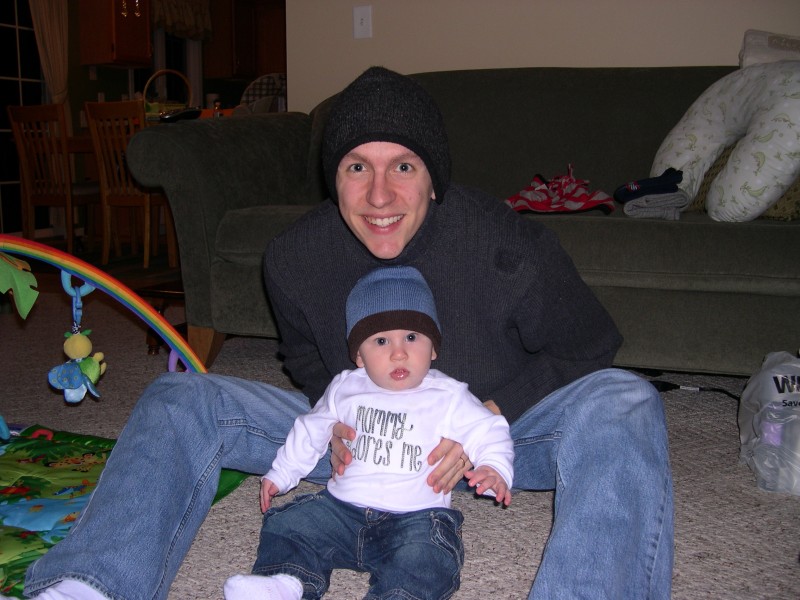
[21, 82]
[180, 54]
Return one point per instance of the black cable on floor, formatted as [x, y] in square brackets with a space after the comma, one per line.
[666, 386]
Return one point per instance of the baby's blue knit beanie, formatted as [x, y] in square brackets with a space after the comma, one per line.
[391, 298]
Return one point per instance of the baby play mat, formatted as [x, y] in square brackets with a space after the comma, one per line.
[47, 476]
[45, 481]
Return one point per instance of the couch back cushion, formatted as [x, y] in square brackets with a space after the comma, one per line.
[507, 125]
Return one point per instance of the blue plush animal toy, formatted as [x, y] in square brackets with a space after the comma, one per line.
[80, 373]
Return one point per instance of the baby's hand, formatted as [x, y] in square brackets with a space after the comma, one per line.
[486, 478]
[268, 491]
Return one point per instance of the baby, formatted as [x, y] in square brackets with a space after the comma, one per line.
[380, 516]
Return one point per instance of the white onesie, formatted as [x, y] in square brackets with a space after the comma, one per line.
[395, 433]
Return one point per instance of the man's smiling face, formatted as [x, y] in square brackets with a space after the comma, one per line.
[384, 191]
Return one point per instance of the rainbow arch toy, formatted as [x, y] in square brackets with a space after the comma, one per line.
[180, 349]
[34, 533]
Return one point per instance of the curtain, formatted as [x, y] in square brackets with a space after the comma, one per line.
[51, 27]
[183, 18]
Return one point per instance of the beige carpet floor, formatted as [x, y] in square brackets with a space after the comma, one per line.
[733, 541]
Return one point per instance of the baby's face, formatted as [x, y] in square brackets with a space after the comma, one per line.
[396, 360]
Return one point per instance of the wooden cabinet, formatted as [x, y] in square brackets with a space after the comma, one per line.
[248, 39]
[230, 52]
[115, 32]
[271, 31]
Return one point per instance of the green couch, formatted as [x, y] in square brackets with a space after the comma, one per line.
[688, 295]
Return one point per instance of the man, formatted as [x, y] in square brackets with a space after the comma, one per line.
[519, 326]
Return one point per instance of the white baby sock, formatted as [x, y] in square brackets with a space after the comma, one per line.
[274, 587]
[70, 589]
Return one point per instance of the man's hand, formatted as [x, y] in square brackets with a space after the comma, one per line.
[486, 478]
[340, 455]
[492, 406]
[268, 491]
[453, 463]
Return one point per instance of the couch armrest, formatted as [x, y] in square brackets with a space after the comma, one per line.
[210, 166]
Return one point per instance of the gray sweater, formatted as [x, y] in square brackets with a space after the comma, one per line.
[517, 320]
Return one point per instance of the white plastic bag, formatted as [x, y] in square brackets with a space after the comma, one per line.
[769, 424]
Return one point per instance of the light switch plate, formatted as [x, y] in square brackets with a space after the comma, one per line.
[362, 22]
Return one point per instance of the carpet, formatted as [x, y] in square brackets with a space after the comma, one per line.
[733, 541]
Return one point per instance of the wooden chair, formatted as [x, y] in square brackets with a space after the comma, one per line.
[112, 125]
[41, 136]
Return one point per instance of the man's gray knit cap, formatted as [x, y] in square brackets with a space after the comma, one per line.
[391, 298]
[383, 106]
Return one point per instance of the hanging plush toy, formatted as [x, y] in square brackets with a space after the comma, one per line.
[81, 372]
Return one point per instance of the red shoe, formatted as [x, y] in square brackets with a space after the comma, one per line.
[563, 193]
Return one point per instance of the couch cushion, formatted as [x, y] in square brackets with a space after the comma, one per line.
[692, 294]
[243, 234]
[694, 253]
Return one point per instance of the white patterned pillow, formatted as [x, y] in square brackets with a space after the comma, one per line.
[760, 107]
[764, 46]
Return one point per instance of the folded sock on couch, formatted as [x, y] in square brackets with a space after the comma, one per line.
[658, 206]
[667, 182]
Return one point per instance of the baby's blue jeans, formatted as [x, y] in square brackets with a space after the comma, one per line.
[414, 555]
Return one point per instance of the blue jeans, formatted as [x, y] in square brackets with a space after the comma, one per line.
[600, 442]
[415, 555]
